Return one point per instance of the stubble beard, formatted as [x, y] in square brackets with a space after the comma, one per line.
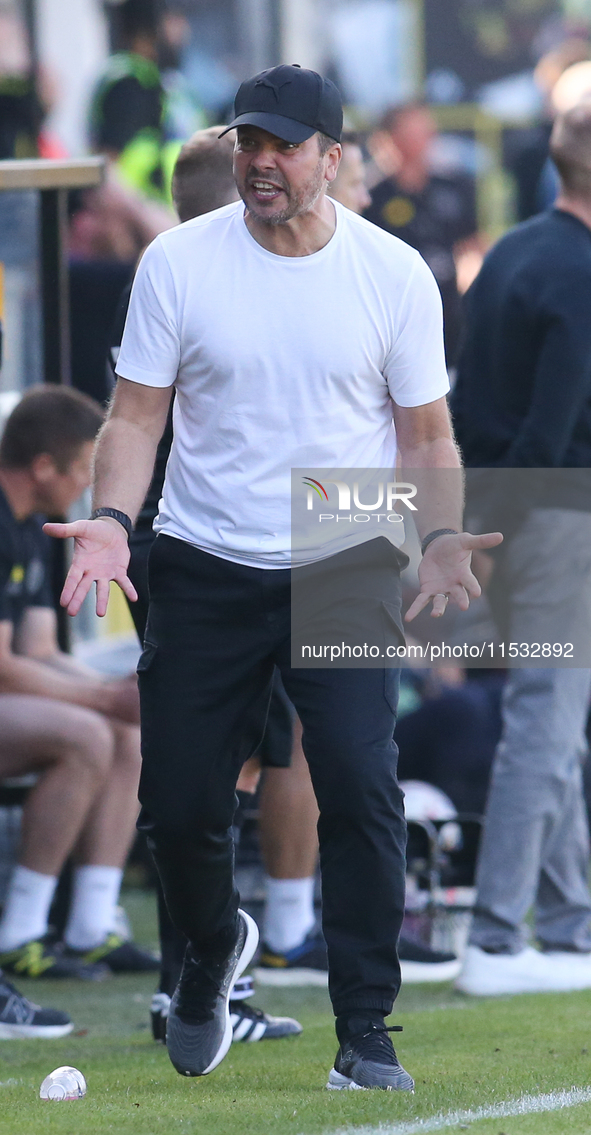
[297, 203]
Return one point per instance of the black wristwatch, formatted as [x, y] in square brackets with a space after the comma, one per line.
[433, 536]
[122, 517]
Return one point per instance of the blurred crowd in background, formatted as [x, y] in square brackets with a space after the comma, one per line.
[451, 106]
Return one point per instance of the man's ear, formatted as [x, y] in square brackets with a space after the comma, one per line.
[333, 158]
[43, 468]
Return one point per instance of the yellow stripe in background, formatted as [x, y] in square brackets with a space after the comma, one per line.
[118, 620]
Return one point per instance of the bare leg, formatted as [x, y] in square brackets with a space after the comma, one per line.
[71, 748]
[103, 846]
[110, 827]
[289, 844]
[288, 818]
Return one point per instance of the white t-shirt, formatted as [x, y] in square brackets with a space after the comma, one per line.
[278, 362]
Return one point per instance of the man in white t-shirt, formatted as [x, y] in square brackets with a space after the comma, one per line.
[294, 334]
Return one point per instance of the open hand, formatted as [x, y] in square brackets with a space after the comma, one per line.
[445, 572]
[101, 554]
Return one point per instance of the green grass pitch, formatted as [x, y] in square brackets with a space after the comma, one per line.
[464, 1054]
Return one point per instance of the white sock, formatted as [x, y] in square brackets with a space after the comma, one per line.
[95, 895]
[289, 912]
[26, 910]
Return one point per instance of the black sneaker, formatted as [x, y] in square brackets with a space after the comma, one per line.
[243, 987]
[119, 954]
[199, 1029]
[367, 1059]
[420, 963]
[44, 959]
[248, 1023]
[20, 1018]
[306, 964]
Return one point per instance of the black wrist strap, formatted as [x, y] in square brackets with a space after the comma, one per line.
[433, 536]
[116, 514]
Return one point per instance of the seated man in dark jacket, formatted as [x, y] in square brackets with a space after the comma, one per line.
[77, 731]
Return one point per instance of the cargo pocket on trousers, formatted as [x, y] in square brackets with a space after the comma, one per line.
[392, 626]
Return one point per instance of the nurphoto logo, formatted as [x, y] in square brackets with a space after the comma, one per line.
[386, 493]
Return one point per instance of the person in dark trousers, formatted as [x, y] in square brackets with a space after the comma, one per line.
[203, 181]
[523, 401]
[293, 952]
[279, 352]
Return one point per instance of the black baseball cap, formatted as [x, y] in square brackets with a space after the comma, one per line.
[291, 102]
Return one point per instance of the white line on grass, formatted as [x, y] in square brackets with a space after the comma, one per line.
[525, 1105]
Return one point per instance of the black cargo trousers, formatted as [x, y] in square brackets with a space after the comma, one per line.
[215, 631]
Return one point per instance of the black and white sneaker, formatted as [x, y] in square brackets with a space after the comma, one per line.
[367, 1059]
[248, 1023]
[243, 987]
[21, 1019]
[199, 1029]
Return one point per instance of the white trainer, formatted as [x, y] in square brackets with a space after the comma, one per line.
[529, 971]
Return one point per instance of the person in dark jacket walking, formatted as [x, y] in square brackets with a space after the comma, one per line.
[523, 401]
